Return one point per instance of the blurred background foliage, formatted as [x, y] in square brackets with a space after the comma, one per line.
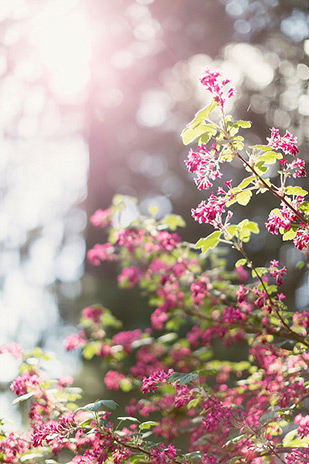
[93, 97]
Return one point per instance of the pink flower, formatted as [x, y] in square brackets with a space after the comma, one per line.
[301, 240]
[277, 273]
[112, 380]
[65, 381]
[297, 168]
[206, 165]
[211, 212]
[303, 427]
[100, 252]
[129, 276]
[13, 349]
[287, 143]
[75, 341]
[198, 291]
[158, 318]
[215, 84]
[94, 314]
[25, 383]
[127, 338]
[101, 218]
[151, 383]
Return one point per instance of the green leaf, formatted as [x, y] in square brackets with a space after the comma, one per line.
[24, 397]
[243, 197]
[30, 456]
[147, 425]
[128, 418]
[193, 403]
[183, 378]
[240, 262]
[209, 242]
[260, 168]
[254, 227]
[260, 270]
[230, 230]
[99, 404]
[261, 147]
[188, 135]
[295, 191]
[172, 221]
[91, 349]
[304, 207]
[202, 115]
[270, 157]
[243, 124]
[289, 235]
[293, 440]
[244, 183]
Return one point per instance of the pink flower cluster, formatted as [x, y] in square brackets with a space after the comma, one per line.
[25, 383]
[13, 349]
[101, 218]
[303, 425]
[125, 339]
[73, 341]
[152, 382]
[100, 252]
[301, 240]
[129, 276]
[61, 428]
[283, 217]
[277, 273]
[296, 168]
[287, 143]
[205, 164]
[112, 380]
[210, 212]
[93, 314]
[216, 85]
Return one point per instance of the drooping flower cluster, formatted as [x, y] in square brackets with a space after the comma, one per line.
[287, 143]
[211, 212]
[214, 83]
[205, 164]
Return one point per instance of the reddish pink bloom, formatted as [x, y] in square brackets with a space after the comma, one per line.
[150, 384]
[129, 276]
[100, 252]
[215, 84]
[112, 380]
[158, 318]
[287, 143]
[94, 314]
[297, 168]
[206, 165]
[101, 218]
[75, 341]
[198, 291]
[303, 425]
[127, 338]
[277, 273]
[211, 212]
[301, 240]
[13, 349]
[25, 383]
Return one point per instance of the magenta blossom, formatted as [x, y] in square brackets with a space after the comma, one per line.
[287, 143]
[216, 85]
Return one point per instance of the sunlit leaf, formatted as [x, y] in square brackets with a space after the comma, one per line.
[244, 197]
[240, 262]
[209, 242]
[295, 191]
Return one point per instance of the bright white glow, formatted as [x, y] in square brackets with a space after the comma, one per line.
[63, 43]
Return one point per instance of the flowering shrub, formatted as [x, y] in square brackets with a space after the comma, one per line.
[186, 406]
